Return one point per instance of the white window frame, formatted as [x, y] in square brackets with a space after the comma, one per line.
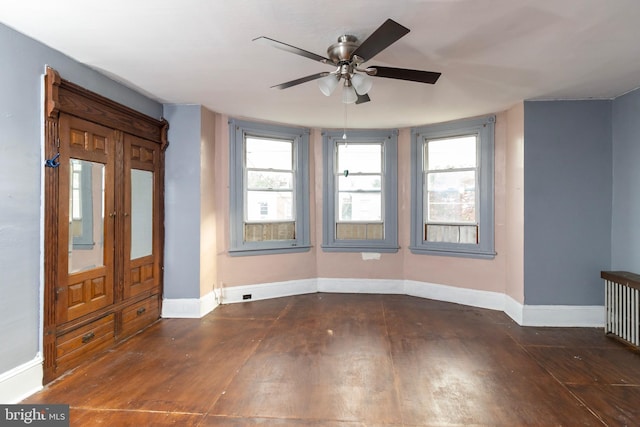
[483, 129]
[238, 130]
[389, 141]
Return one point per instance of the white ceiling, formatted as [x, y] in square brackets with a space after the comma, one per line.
[492, 53]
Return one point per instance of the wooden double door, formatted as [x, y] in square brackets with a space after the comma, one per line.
[103, 233]
[106, 220]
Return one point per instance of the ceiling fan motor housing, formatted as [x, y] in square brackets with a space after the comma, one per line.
[340, 52]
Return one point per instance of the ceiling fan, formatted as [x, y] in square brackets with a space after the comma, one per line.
[348, 54]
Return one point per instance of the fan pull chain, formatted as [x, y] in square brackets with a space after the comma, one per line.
[344, 130]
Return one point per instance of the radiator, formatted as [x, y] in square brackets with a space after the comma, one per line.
[622, 304]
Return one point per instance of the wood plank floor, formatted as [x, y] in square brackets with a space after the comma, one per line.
[341, 360]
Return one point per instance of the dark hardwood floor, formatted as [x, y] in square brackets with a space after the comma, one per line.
[341, 360]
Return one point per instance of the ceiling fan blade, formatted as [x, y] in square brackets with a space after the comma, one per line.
[292, 49]
[362, 98]
[404, 74]
[386, 34]
[301, 80]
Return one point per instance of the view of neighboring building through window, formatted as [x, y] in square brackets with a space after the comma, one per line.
[359, 191]
[269, 188]
[452, 188]
[269, 184]
[450, 185]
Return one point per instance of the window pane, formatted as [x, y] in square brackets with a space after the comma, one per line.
[265, 232]
[360, 158]
[269, 180]
[469, 234]
[278, 205]
[360, 182]
[452, 233]
[359, 206]
[359, 231]
[268, 153]
[451, 197]
[451, 153]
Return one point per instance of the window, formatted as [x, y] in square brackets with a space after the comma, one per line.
[452, 189]
[360, 191]
[269, 184]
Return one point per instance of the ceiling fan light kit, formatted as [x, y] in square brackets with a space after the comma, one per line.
[328, 84]
[361, 83]
[348, 54]
[349, 95]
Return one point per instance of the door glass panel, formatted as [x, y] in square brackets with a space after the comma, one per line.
[141, 213]
[86, 215]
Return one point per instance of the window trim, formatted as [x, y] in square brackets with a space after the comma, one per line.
[389, 140]
[484, 128]
[300, 137]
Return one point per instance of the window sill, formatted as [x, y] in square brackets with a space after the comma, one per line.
[453, 253]
[360, 248]
[268, 251]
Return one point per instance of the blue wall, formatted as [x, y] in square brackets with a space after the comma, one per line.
[625, 233]
[567, 201]
[182, 202]
[22, 64]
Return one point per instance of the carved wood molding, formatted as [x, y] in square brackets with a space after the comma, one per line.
[50, 254]
[164, 132]
[52, 82]
[63, 96]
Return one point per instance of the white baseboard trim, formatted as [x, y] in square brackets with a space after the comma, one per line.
[208, 303]
[269, 290]
[361, 286]
[524, 315]
[21, 381]
[589, 316]
[189, 308]
[464, 296]
[513, 309]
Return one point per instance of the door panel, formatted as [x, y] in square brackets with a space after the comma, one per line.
[141, 231]
[88, 291]
[86, 218]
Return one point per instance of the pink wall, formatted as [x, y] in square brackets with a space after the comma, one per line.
[346, 264]
[514, 187]
[479, 274]
[249, 270]
[208, 197]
